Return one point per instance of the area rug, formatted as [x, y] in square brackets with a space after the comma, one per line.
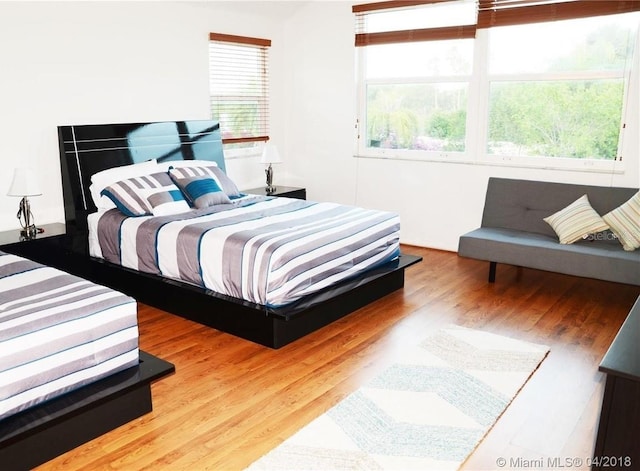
[427, 413]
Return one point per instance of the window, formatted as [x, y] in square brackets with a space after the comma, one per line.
[415, 81]
[557, 89]
[493, 80]
[238, 88]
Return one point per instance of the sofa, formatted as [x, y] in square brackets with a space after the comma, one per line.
[514, 231]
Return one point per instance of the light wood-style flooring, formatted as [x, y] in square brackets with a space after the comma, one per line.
[230, 401]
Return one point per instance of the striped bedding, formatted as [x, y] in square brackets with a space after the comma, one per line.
[58, 332]
[267, 250]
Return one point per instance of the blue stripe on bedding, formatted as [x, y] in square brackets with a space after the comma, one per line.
[75, 346]
[203, 247]
[389, 258]
[71, 320]
[54, 339]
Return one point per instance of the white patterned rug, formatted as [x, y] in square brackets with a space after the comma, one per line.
[429, 412]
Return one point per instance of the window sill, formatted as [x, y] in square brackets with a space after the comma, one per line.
[563, 164]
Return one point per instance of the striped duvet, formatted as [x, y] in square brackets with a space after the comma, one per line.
[58, 332]
[266, 250]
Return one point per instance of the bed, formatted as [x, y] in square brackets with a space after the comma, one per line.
[68, 353]
[315, 263]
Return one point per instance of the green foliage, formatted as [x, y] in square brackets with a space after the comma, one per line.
[566, 117]
[557, 119]
[569, 118]
[403, 116]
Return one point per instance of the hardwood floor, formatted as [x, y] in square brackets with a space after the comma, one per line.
[230, 401]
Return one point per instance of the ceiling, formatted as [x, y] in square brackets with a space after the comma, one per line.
[275, 9]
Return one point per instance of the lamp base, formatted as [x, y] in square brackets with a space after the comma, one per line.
[29, 229]
[29, 232]
[269, 188]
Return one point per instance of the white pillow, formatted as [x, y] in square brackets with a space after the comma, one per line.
[164, 166]
[624, 222]
[104, 178]
[576, 221]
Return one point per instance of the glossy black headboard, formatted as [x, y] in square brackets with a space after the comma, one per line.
[87, 149]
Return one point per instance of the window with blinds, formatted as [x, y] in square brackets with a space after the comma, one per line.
[398, 21]
[516, 12]
[239, 88]
[513, 80]
[416, 63]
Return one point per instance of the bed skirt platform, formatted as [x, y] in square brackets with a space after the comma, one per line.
[271, 327]
[43, 432]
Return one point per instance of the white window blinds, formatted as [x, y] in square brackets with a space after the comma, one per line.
[239, 87]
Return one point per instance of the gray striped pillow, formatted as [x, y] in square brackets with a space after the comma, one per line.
[624, 222]
[149, 194]
[576, 221]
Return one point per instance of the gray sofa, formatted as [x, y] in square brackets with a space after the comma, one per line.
[513, 231]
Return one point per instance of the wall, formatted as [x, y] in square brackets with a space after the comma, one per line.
[96, 62]
[100, 62]
[436, 201]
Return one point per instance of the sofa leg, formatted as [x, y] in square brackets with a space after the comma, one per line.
[492, 272]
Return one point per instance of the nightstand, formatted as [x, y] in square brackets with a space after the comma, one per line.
[46, 247]
[287, 191]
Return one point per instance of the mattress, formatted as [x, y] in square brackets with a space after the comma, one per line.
[267, 250]
[58, 332]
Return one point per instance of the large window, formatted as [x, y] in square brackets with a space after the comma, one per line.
[239, 88]
[418, 104]
[416, 69]
[503, 83]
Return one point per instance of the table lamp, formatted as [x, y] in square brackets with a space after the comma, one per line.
[25, 184]
[270, 156]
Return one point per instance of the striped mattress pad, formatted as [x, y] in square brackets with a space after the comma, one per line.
[58, 332]
[267, 250]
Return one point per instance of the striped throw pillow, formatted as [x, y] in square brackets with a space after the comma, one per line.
[624, 222]
[576, 221]
[167, 201]
[145, 195]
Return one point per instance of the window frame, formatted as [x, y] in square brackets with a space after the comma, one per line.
[364, 39]
[240, 146]
[477, 122]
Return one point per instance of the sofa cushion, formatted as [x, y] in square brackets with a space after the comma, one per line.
[600, 259]
[523, 204]
[576, 221]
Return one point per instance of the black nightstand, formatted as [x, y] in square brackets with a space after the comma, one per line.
[47, 247]
[287, 191]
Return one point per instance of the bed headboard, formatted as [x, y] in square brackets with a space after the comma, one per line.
[87, 149]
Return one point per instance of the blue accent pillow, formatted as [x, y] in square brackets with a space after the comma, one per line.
[224, 182]
[200, 191]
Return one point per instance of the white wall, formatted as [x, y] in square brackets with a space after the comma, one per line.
[101, 62]
[97, 62]
[436, 201]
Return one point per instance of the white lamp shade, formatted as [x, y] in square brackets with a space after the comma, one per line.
[25, 183]
[270, 154]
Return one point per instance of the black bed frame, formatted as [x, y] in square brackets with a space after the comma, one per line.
[41, 433]
[87, 149]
